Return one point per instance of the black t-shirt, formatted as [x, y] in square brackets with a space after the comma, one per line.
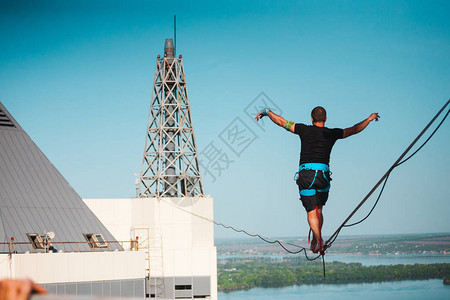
[316, 142]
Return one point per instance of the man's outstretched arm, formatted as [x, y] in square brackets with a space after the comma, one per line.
[279, 120]
[360, 126]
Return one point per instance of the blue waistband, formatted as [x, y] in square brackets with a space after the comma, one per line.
[315, 166]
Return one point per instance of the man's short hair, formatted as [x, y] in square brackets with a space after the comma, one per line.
[319, 114]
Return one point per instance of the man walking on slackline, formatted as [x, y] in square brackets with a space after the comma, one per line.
[314, 173]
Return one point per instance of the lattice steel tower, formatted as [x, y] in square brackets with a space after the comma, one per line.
[170, 167]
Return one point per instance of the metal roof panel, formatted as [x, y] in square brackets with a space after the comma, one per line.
[35, 197]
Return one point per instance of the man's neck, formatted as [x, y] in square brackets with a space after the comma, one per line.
[319, 124]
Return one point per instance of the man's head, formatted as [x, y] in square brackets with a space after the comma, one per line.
[319, 114]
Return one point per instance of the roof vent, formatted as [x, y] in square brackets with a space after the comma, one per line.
[95, 240]
[4, 120]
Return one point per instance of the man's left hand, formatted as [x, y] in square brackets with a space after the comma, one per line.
[259, 116]
[262, 113]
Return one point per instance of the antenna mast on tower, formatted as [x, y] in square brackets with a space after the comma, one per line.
[170, 167]
[175, 34]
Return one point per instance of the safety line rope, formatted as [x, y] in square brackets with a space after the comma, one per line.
[373, 207]
[262, 237]
[403, 161]
[385, 177]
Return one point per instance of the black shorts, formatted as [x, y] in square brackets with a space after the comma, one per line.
[304, 180]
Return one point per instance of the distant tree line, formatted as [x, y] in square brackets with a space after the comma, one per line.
[263, 272]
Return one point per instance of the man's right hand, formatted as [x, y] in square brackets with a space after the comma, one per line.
[360, 126]
[374, 116]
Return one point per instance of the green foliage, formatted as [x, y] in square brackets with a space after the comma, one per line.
[388, 244]
[265, 272]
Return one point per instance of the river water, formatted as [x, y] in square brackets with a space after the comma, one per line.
[390, 259]
[423, 289]
[369, 260]
[411, 290]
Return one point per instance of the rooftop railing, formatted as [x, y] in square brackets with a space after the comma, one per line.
[66, 247]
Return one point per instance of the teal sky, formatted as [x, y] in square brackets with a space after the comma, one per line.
[78, 78]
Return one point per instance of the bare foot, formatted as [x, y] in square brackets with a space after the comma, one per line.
[319, 247]
[313, 246]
